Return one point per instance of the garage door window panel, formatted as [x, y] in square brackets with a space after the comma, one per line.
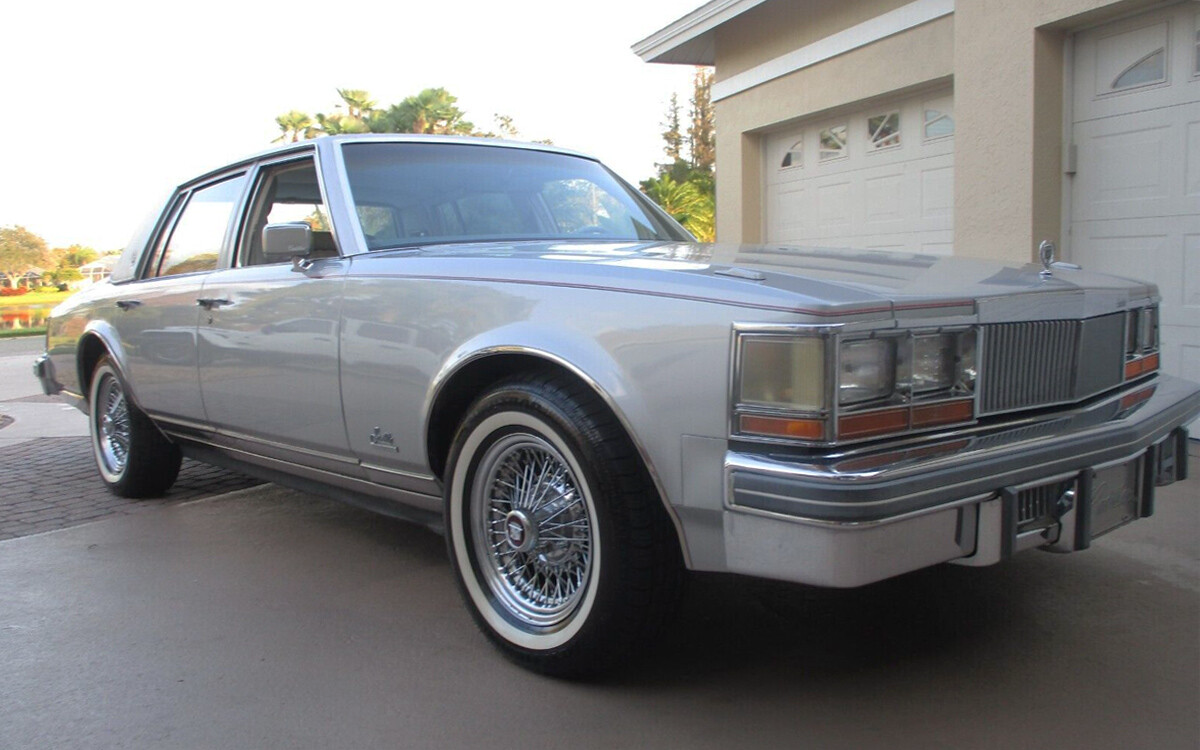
[833, 143]
[884, 131]
[794, 156]
[938, 124]
[1150, 69]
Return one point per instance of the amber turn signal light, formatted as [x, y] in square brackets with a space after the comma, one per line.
[807, 429]
[1136, 367]
[873, 423]
[948, 412]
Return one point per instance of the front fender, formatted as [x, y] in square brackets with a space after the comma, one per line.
[581, 356]
[584, 358]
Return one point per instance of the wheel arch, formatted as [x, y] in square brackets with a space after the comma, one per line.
[98, 340]
[456, 388]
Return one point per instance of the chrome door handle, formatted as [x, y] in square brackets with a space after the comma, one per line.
[211, 303]
[128, 304]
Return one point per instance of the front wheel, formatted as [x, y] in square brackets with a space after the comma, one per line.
[562, 549]
[133, 457]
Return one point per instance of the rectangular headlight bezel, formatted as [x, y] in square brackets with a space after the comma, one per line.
[900, 412]
[813, 419]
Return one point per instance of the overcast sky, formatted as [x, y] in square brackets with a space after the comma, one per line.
[109, 104]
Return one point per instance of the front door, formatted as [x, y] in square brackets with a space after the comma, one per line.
[268, 333]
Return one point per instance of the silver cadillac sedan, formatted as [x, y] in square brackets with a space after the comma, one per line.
[509, 344]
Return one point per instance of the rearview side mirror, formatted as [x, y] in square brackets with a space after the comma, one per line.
[287, 240]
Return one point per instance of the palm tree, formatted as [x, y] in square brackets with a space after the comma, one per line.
[685, 202]
[295, 126]
[337, 124]
[359, 103]
[431, 111]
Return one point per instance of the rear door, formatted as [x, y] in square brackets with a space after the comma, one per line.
[158, 315]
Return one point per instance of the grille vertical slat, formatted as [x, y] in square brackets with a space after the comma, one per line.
[1028, 364]
[1037, 363]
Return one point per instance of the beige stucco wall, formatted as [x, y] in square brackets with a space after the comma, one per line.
[1008, 104]
[1005, 58]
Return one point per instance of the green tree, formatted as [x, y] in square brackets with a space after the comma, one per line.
[685, 202]
[64, 274]
[685, 185]
[73, 256]
[702, 141]
[338, 124]
[672, 136]
[20, 250]
[431, 111]
[295, 126]
[359, 103]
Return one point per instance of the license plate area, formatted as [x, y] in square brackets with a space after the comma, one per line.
[1115, 495]
[1067, 512]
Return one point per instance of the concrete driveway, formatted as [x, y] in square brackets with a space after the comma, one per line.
[268, 618]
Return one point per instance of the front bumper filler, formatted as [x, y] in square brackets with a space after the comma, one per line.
[43, 370]
[868, 514]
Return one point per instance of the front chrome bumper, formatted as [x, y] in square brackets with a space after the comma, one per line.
[868, 514]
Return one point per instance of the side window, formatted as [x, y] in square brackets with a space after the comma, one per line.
[195, 241]
[287, 193]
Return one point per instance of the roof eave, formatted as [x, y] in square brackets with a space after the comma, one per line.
[689, 40]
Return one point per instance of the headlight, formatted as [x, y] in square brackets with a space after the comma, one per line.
[933, 362]
[866, 370]
[785, 373]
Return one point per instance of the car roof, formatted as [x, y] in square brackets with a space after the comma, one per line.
[311, 143]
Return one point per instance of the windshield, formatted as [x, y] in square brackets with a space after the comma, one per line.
[427, 193]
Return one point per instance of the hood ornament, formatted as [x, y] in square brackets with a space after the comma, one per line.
[1046, 253]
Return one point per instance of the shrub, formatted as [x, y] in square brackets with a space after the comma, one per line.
[11, 292]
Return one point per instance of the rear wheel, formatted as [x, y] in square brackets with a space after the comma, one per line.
[133, 457]
[564, 553]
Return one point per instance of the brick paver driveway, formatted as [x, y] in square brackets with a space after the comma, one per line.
[50, 482]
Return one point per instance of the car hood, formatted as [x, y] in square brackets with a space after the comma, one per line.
[813, 280]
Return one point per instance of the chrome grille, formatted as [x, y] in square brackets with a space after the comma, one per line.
[1028, 364]
[1037, 506]
[1041, 363]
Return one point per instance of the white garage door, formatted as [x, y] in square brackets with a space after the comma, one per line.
[880, 178]
[1135, 196]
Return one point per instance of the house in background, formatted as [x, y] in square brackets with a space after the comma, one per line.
[98, 270]
[969, 128]
[32, 278]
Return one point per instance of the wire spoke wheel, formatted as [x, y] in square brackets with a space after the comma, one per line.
[532, 530]
[112, 425]
[134, 459]
[559, 542]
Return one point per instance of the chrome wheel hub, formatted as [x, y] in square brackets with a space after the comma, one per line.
[532, 531]
[520, 531]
